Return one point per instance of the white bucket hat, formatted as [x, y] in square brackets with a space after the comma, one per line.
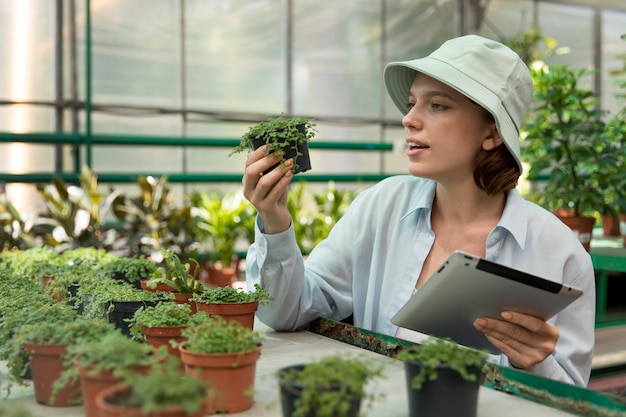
[485, 71]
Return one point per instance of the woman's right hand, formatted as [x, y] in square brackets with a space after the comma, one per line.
[268, 193]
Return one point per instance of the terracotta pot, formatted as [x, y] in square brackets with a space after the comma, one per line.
[241, 312]
[108, 403]
[448, 395]
[610, 225]
[92, 385]
[582, 228]
[46, 363]
[160, 286]
[182, 298]
[158, 336]
[622, 226]
[231, 376]
[219, 277]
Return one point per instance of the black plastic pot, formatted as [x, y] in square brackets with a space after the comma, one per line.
[290, 392]
[303, 161]
[123, 310]
[448, 395]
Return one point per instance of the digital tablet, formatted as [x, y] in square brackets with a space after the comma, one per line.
[466, 287]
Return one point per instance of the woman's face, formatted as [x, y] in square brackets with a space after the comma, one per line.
[444, 131]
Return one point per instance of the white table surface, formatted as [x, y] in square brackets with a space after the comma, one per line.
[283, 349]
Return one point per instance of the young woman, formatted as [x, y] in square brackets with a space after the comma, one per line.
[463, 106]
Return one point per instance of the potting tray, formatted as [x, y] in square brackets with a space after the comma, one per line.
[504, 391]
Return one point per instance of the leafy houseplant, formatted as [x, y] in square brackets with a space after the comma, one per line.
[223, 353]
[334, 386]
[218, 219]
[442, 378]
[164, 391]
[181, 277]
[564, 140]
[287, 138]
[232, 303]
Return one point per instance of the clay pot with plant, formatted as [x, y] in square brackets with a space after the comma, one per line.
[223, 353]
[163, 323]
[165, 391]
[47, 344]
[100, 364]
[334, 386]
[442, 378]
[232, 303]
[286, 137]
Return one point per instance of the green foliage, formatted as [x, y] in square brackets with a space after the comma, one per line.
[315, 214]
[564, 140]
[220, 295]
[165, 386]
[165, 313]
[434, 352]
[133, 269]
[16, 229]
[218, 219]
[281, 133]
[152, 221]
[178, 275]
[217, 335]
[101, 294]
[328, 387]
[112, 352]
[531, 45]
[76, 213]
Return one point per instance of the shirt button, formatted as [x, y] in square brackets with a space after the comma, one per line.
[497, 235]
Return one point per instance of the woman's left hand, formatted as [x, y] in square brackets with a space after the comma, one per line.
[525, 340]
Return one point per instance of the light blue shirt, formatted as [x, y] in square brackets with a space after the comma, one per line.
[369, 265]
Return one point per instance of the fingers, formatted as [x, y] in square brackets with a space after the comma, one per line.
[524, 339]
[268, 192]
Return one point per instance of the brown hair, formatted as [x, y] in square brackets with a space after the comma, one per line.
[496, 170]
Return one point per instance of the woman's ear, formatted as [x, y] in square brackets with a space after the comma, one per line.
[493, 138]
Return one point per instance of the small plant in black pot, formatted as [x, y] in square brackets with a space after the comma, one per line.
[443, 378]
[287, 136]
[334, 386]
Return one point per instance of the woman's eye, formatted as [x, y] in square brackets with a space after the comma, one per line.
[410, 105]
[437, 106]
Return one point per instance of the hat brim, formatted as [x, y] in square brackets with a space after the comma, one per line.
[399, 77]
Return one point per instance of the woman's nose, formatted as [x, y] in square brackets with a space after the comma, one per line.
[412, 119]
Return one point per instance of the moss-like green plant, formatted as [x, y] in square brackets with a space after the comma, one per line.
[222, 295]
[165, 313]
[283, 134]
[329, 387]
[216, 335]
[113, 352]
[165, 386]
[434, 352]
[131, 269]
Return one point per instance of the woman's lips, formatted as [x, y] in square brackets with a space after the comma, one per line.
[414, 148]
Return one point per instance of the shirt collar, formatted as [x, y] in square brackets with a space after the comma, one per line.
[515, 217]
[422, 200]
